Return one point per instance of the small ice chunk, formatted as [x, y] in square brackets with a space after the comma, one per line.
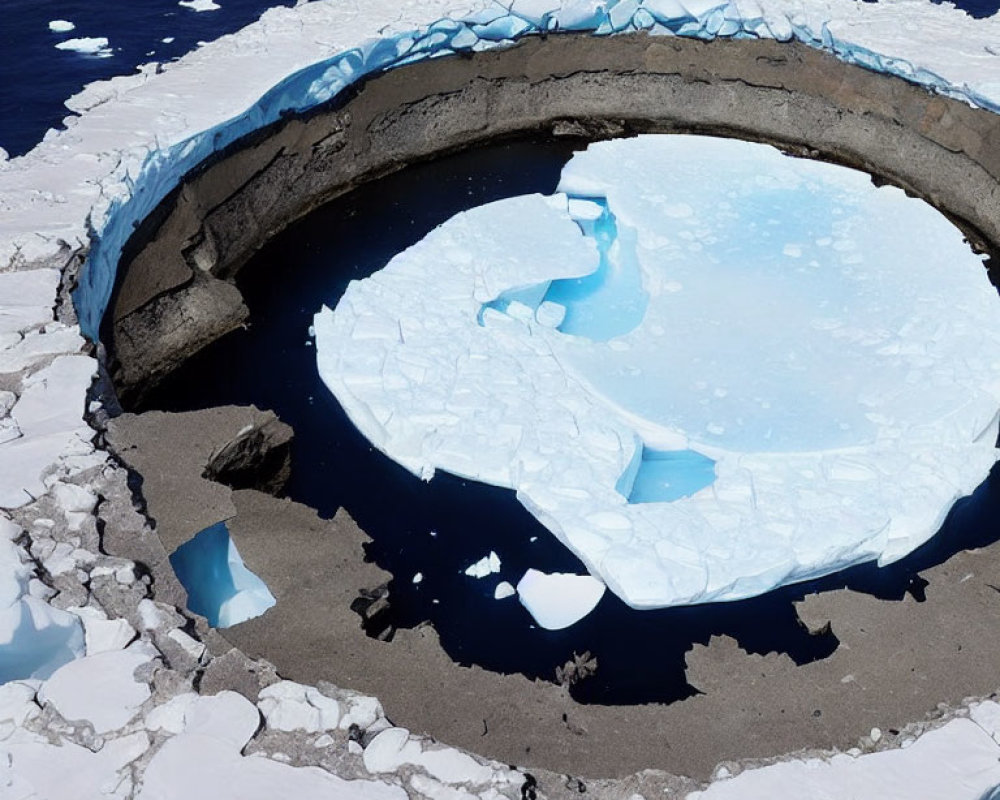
[167, 39]
[550, 314]
[200, 5]
[503, 590]
[487, 565]
[557, 600]
[61, 26]
[418, 577]
[87, 45]
[584, 210]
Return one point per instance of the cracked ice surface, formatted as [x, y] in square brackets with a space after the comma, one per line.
[138, 135]
[832, 346]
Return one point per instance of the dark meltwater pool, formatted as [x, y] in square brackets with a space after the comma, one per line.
[439, 528]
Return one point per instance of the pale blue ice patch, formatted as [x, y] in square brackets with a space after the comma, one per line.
[37, 650]
[662, 476]
[607, 303]
[218, 583]
[611, 301]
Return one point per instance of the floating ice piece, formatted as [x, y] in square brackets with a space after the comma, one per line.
[788, 379]
[503, 591]
[61, 26]
[200, 5]
[557, 600]
[218, 583]
[87, 45]
[418, 577]
[487, 565]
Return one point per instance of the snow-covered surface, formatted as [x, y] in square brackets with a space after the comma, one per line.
[557, 600]
[958, 760]
[137, 135]
[61, 26]
[789, 328]
[110, 699]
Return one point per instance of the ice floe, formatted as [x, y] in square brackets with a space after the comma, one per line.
[200, 5]
[487, 565]
[557, 600]
[504, 590]
[780, 393]
[61, 26]
[87, 45]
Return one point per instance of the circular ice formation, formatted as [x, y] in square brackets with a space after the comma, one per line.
[834, 347]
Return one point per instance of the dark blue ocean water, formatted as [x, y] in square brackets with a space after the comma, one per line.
[35, 78]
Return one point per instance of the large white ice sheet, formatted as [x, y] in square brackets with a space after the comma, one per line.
[833, 346]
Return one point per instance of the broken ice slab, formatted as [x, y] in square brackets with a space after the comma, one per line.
[218, 583]
[487, 565]
[557, 600]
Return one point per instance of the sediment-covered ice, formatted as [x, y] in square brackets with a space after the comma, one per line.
[811, 381]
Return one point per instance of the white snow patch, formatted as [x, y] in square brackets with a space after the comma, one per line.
[100, 688]
[49, 415]
[393, 748]
[557, 600]
[290, 706]
[957, 760]
[61, 26]
[204, 763]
